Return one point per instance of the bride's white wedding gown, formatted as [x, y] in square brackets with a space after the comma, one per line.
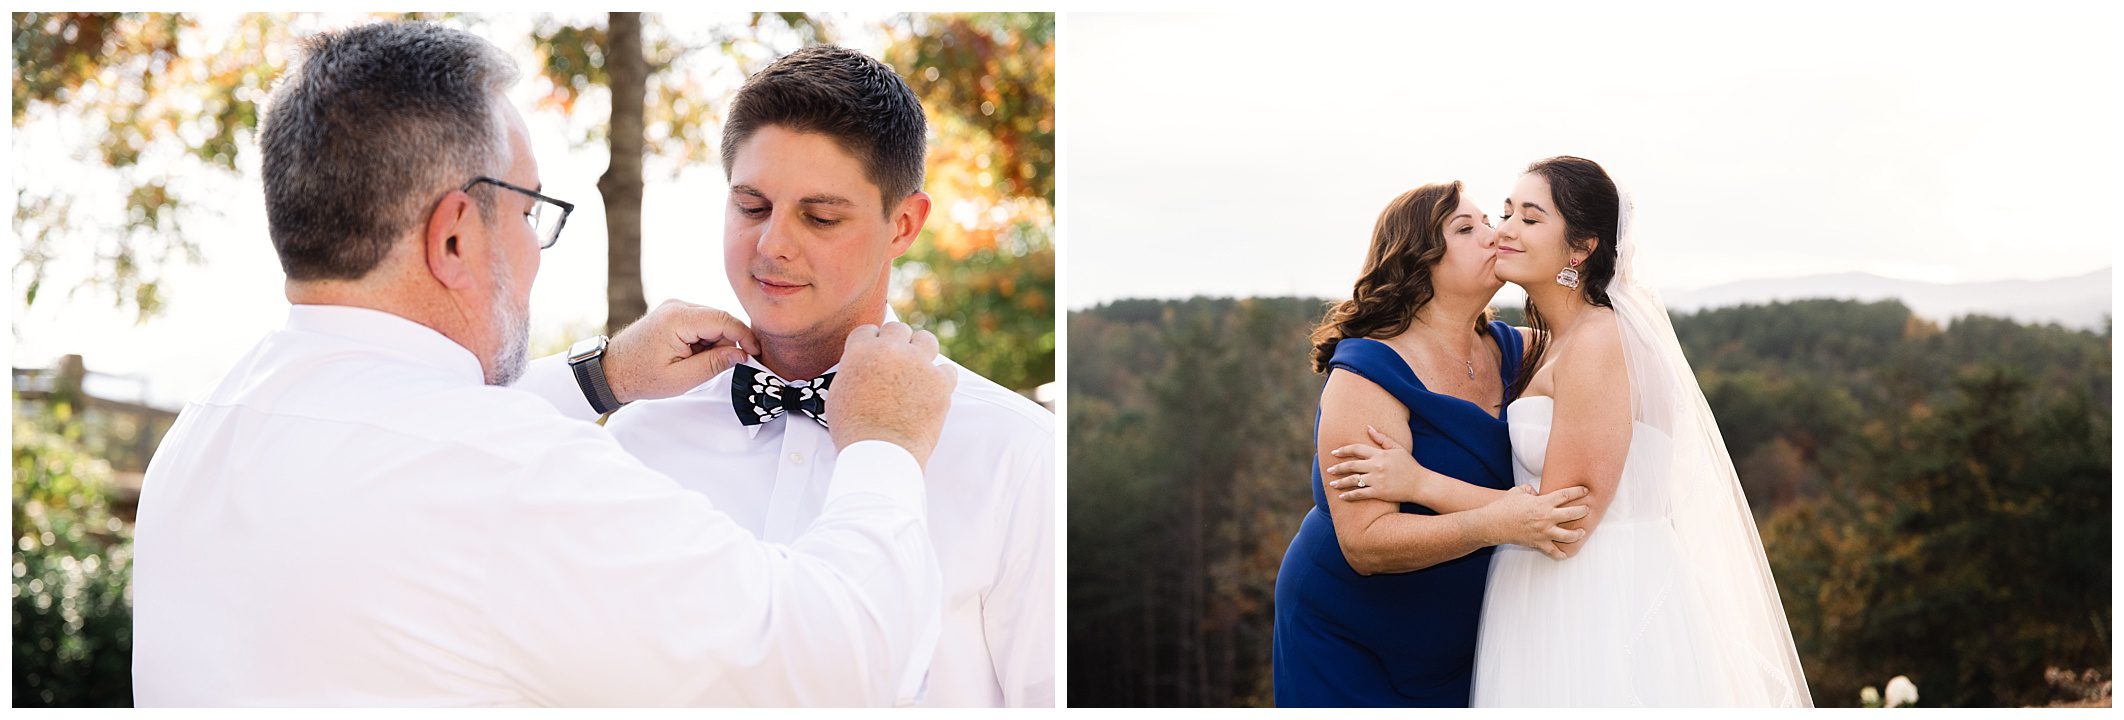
[1621, 623]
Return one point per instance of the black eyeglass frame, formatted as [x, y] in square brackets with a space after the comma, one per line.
[565, 207]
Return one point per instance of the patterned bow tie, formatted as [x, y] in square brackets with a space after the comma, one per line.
[760, 396]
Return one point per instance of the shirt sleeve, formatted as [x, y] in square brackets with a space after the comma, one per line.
[1018, 613]
[614, 586]
[550, 378]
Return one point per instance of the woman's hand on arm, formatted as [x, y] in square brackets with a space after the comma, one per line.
[1377, 538]
[1493, 517]
[1520, 517]
[1382, 469]
[1386, 470]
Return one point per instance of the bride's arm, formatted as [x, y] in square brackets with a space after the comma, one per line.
[1384, 469]
[1590, 436]
[1377, 538]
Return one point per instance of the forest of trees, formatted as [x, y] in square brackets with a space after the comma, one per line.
[1935, 500]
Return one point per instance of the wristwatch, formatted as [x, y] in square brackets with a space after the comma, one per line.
[587, 358]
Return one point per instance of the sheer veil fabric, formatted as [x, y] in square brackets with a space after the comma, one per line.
[1754, 662]
[1670, 602]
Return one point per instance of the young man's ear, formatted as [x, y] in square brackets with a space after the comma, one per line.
[907, 222]
[441, 243]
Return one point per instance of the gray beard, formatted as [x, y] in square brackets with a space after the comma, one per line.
[513, 326]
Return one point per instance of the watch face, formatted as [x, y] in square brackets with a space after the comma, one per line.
[585, 348]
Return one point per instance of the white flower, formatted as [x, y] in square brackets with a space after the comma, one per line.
[1869, 697]
[1901, 692]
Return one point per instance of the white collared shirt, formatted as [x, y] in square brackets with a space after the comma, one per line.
[991, 510]
[350, 517]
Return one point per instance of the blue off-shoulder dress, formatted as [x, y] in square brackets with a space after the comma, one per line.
[1391, 640]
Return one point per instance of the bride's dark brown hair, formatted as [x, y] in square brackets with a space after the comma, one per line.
[1407, 242]
[1589, 204]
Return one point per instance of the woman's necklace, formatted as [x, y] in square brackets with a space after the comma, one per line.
[1465, 361]
[1421, 344]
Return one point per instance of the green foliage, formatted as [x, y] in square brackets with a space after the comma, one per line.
[1186, 484]
[573, 60]
[1934, 501]
[160, 98]
[995, 74]
[982, 274]
[1969, 551]
[72, 569]
[129, 77]
[992, 309]
[680, 119]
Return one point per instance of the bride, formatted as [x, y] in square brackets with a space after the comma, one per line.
[1669, 600]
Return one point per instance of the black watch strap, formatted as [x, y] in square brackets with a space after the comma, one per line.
[590, 376]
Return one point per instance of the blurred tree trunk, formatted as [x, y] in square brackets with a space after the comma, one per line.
[628, 71]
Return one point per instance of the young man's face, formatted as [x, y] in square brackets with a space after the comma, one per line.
[807, 242]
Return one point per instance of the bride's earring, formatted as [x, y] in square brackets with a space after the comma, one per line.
[1568, 277]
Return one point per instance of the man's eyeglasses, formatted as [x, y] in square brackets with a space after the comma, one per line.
[538, 217]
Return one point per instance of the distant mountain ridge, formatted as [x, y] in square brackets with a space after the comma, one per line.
[2080, 301]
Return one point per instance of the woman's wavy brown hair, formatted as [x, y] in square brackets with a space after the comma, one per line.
[1407, 242]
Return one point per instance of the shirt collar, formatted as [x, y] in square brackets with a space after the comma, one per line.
[753, 431]
[391, 333]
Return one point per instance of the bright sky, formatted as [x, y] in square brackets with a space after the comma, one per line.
[1250, 155]
[217, 310]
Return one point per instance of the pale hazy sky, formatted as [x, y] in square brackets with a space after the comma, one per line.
[220, 308]
[1250, 155]
[1238, 155]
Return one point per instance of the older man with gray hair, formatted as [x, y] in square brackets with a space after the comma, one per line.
[361, 512]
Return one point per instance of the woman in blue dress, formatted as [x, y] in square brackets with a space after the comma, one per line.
[1377, 602]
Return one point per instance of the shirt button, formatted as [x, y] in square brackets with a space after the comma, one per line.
[796, 458]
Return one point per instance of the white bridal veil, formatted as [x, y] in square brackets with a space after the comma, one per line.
[1754, 658]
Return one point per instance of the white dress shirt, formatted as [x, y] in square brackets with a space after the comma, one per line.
[991, 510]
[350, 517]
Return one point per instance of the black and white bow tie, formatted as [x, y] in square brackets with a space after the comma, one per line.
[759, 396]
